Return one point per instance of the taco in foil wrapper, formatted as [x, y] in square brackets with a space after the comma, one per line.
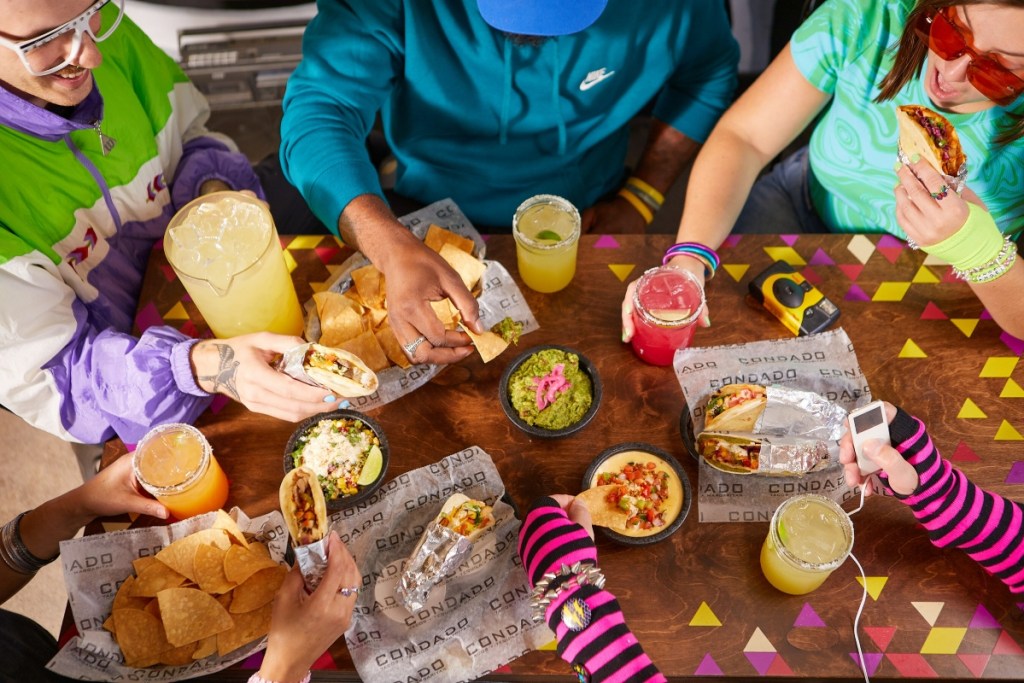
[735, 407]
[739, 453]
[336, 370]
[442, 548]
[303, 506]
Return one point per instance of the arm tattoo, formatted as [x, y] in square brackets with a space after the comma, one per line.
[225, 377]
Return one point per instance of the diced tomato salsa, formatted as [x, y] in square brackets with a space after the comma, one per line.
[642, 492]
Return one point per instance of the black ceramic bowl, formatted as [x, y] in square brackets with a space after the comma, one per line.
[686, 431]
[513, 414]
[364, 492]
[614, 458]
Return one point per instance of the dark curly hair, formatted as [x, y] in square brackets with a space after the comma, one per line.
[911, 53]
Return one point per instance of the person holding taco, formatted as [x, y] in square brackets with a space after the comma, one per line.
[942, 498]
[586, 619]
[840, 75]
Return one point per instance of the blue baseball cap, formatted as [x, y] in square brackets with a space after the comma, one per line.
[541, 17]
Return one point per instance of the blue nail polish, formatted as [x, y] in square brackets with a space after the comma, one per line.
[329, 398]
[344, 404]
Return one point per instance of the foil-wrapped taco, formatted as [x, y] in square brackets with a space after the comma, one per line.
[739, 453]
[336, 370]
[443, 546]
[305, 514]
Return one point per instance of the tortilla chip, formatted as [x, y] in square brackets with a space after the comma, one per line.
[140, 636]
[437, 237]
[178, 656]
[209, 568]
[488, 344]
[155, 578]
[392, 349]
[141, 563]
[124, 598]
[366, 347]
[190, 615]
[369, 282]
[603, 513]
[260, 548]
[341, 319]
[180, 555]
[225, 522]
[241, 563]
[447, 313]
[258, 590]
[248, 627]
[469, 268]
[205, 647]
[153, 607]
[108, 625]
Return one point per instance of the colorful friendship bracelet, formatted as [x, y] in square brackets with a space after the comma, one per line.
[637, 204]
[704, 254]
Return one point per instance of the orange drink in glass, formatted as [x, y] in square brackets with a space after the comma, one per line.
[175, 463]
[547, 230]
[225, 250]
[809, 537]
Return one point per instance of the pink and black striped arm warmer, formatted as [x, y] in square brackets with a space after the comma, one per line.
[606, 648]
[956, 512]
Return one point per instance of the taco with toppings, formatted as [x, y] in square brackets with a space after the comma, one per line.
[735, 408]
[734, 454]
[303, 506]
[339, 371]
[465, 516]
[931, 135]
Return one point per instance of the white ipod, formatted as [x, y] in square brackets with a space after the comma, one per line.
[868, 423]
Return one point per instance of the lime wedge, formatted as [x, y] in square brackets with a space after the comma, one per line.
[371, 468]
[549, 235]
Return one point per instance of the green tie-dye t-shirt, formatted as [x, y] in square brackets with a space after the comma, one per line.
[843, 49]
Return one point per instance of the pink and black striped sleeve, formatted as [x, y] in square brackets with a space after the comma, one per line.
[606, 648]
[956, 512]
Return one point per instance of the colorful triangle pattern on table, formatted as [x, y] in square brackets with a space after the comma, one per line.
[970, 411]
[975, 663]
[924, 277]
[881, 635]
[327, 253]
[861, 247]
[999, 366]
[871, 661]
[606, 242]
[911, 665]
[1011, 390]
[761, 661]
[964, 453]
[759, 642]
[1013, 343]
[983, 619]
[787, 254]
[875, 584]
[855, 293]
[912, 350]
[808, 617]
[148, 316]
[965, 325]
[704, 616]
[177, 312]
[933, 312]
[731, 241]
[891, 291]
[943, 641]
[168, 273]
[929, 610]
[1006, 645]
[820, 258]
[736, 270]
[622, 270]
[789, 239]
[1016, 475]
[851, 270]
[1007, 432]
[289, 261]
[708, 667]
[812, 276]
[304, 242]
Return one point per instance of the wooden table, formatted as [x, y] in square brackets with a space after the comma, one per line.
[698, 601]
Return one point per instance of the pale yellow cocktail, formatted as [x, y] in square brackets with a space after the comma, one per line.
[226, 252]
[809, 537]
[547, 230]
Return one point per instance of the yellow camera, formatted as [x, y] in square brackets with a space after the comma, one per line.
[801, 307]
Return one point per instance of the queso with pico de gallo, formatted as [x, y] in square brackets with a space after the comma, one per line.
[642, 487]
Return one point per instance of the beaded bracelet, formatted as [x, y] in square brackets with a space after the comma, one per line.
[704, 254]
[994, 269]
[15, 553]
[256, 678]
[579, 574]
[637, 204]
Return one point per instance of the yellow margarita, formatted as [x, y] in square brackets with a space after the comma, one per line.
[809, 537]
[226, 252]
[547, 230]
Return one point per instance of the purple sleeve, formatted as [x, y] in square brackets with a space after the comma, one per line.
[206, 158]
[116, 384]
[956, 512]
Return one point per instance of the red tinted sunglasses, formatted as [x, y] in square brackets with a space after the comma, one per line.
[944, 38]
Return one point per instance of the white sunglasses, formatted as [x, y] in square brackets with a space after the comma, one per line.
[47, 54]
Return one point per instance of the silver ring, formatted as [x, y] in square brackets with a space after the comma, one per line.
[410, 348]
[347, 592]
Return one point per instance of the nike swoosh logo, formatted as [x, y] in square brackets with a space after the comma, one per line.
[595, 77]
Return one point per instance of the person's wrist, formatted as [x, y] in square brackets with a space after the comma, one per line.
[272, 670]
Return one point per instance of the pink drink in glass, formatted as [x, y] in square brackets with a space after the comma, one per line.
[666, 305]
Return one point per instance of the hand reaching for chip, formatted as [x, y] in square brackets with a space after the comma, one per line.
[303, 626]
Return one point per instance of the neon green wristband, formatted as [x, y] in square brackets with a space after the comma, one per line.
[976, 243]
